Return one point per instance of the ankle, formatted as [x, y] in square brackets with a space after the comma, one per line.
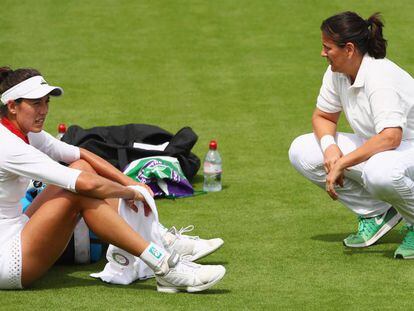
[158, 259]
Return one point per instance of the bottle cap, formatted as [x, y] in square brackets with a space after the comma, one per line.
[212, 145]
[62, 128]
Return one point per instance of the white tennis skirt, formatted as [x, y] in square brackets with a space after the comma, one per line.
[11, 252]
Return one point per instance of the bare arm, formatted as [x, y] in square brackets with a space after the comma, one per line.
[324, 123]
[106, 169]
[388, 139]
[93, 185]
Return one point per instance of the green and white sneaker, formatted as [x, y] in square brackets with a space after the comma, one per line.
[406, 249]
[370, 230]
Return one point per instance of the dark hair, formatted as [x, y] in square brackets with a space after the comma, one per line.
[10, 77]
[366, 35]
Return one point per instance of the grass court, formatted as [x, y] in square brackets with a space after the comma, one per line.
[246, 73]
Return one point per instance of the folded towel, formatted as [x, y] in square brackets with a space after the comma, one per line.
[122, 267]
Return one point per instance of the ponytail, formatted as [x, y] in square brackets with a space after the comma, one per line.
[366, 35]
[377, 45]
[4, 73]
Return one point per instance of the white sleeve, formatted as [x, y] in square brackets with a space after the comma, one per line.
[54, 148]
[387, 109]
[25, 160]
[328, 99]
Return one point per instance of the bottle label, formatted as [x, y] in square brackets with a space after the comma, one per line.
[211, 168]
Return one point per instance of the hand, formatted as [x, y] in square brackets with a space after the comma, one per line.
[147, 187]
[143, 186]
[334, 177]
[331, 155]
[139, 197]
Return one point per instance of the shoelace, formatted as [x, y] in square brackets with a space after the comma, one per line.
[179, 233]
[409, 237]
[365, 224]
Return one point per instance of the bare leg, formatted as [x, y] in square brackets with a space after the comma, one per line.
[55, 214]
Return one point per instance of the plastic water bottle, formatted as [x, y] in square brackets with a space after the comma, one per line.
[212, 169]
[61, 130]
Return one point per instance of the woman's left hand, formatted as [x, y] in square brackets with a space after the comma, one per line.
[147, 187]
[334, 177]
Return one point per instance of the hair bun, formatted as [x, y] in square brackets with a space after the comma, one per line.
[4, 73]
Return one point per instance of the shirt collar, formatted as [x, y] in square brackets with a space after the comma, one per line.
[10, 126]
[360, 78]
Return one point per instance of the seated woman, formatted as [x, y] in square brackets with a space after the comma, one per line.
[31, 242]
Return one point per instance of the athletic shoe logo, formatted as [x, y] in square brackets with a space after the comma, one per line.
[157, 254]
[379, 221]
[120, 259]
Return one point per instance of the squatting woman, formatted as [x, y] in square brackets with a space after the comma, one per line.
[370, 171]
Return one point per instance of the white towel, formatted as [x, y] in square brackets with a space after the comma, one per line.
[122, 267]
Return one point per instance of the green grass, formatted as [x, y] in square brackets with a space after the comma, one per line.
[246, 73]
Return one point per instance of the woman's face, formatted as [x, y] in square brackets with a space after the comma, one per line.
[337, 57]
[30, 114]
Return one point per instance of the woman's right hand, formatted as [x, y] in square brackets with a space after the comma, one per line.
[139, 197]
[331, 155]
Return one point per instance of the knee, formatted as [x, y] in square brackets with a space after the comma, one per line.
[296, 151]
[82, 165]
[305, 154]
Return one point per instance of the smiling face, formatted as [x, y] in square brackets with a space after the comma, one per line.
[29, 115]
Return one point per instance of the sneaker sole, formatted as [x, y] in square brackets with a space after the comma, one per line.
[207, 251]
[190, 289]
[384, 230]
[402, 257]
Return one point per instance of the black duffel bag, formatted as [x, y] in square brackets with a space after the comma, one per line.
[116, 144]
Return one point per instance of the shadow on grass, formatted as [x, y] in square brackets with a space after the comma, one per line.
[206, 262]
[391, 237]
[72, 276]
[331, 237]
[364, 251]
[63, 277]
[213, 292]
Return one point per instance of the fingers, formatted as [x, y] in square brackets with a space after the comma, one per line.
[132, 205]
[334, 178]
[147, 210]
[330, 189]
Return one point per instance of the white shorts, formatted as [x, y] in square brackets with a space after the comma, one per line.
[11, 252]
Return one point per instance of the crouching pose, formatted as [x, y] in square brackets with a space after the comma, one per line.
[30, 243]
[372, 170]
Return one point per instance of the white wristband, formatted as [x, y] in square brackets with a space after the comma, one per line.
[326, 141]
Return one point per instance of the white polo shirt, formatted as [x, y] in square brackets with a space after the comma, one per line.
[382, 96]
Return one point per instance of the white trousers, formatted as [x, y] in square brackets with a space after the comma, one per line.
[370, 188]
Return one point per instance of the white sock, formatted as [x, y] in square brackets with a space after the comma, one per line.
[156, 258]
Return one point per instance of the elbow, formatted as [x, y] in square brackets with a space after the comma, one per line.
[394, 142]
[393, 137]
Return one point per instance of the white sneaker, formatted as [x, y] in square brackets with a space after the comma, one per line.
[191, 246]
[184, 275]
